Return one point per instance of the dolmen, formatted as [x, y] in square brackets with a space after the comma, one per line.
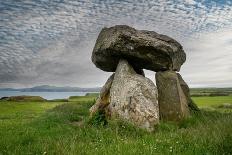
[128, 94]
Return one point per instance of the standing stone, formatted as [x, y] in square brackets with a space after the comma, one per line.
[173, 104]
[192, 106]
[103, 100]
[133, 97]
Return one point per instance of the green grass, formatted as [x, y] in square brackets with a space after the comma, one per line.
[212, 101]
[64, 128]
[92, 94]
[23, 110]
[82, 98]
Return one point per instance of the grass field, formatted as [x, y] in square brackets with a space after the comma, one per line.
[64, 128]
[212, 101]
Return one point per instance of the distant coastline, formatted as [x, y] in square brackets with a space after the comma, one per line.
[47, 88]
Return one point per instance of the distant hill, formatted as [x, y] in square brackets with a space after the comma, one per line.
[196, 92]
[47, 88]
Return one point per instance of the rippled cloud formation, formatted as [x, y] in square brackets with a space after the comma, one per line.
[50, 41]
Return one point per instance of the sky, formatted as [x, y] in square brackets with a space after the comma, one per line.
[51, 41]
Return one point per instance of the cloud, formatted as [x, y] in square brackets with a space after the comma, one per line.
[50, 42]
[192, 2]
[209, 60]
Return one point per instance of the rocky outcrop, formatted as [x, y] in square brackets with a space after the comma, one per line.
[143, 49]
[173, 104]
[133, 97]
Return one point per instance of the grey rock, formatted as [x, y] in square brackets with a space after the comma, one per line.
[142, 49]
[192, 106]
[103, 100]
[173, 104]
[133, 97]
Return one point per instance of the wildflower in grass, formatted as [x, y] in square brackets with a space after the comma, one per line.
[170, 149]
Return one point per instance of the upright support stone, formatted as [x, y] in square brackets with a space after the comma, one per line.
[192, 106]
[173, 104]
[133, 97]
[103, 100]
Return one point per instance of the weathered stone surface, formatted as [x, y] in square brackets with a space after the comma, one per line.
[192, 106]
[103, 100]
[142, 49]
[173, 104]
[133, 97]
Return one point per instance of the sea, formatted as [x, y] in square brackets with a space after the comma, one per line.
[45, 95]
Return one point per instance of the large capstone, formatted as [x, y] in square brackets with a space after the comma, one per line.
[133, 97]
[173, 104]
[142, 49]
